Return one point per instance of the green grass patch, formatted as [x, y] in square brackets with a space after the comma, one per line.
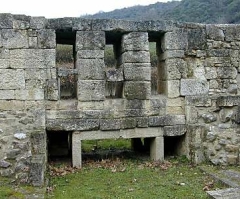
[106, 144]
[132, 179]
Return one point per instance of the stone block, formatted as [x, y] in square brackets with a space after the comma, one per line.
[72, 124]
[214, 33]
[91, 69]
[166, 120]
[82, 24]
[38, 22]
[172, 69]
[29, 94]
[13, 153]
[89, 90]
[171, 54]
[6, 21]
[37, 170]
[194, 87]
[14, 38]
[170, 88]
[6, 105]
[135, 57]
[33, 42]
[230, 193]
[52, 90]
[12, 79]
[114, 25]
[46, 38]
[231, 33]
[128, 123]
[227, 72]
[90, 40]
[175, 110]
[197, 39]
[110, 124]
[137, 90]
[38, 142]
[6, 94]
[210, 73]
[198, 101]
[142, 122]
[177, 130]
[191, 114]
[135, 41]
[4, 53]
[228, 101]
[218, 53]
[175, 40]
[132, 73]
[90, 54]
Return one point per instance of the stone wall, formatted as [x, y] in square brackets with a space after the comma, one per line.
[197, 98]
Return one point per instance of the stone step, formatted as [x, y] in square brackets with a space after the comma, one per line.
[230, 193]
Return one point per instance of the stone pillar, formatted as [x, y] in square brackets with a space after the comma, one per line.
[76, 150]
[157, 149]
[136, 65]
[90, 65]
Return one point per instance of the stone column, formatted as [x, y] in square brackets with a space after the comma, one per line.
[90, 65]
[157, 149]
[136, 65]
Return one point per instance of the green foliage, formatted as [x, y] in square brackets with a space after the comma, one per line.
[64, 54]
[201, 11]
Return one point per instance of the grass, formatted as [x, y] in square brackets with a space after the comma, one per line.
[127, 178]
[131, 179]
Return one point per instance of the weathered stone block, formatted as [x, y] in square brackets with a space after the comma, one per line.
[12, 79]
[203, 100]
[91, 69]
[176, 110]
[191, 114]
[172, 69]
[6, 94]
[174, 130]
[137, 90]
[142, 122]
[228, 100]
[215, 33]
[166, 120]
[13, 153]
[90, 40]
[38, 22]
[218, 53]
[227, 72]
[135, 41]
[231, 33]
[90, 54]
[194, 87]
[110, 124]
[6, 21]
[135, 57]
[38, 142]
[37, 169]
[114, 75]
[176, 40]
[14, 38]
[128, 123]
[46, 38]
[89, 90]
[132, 73]
[197, 39]
[72, 124]
[82, 24]
[171, 54]
[170, 88]
[29, 94]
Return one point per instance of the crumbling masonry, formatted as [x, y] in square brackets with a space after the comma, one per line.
[195, 111]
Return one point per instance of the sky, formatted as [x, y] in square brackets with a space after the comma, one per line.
[67, 8]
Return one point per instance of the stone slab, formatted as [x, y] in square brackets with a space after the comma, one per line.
[194, 87]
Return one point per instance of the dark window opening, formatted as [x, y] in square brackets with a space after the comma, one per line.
[59, 145]
[65, 62]
[114, 70]
[174, 146]
[157, 62]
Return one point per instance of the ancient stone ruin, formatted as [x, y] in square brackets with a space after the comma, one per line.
[194, 112]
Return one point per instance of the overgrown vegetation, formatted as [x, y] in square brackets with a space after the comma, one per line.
[201, 11]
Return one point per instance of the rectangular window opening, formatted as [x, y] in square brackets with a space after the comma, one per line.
[65, 62]
[114, 72]
[157, 62]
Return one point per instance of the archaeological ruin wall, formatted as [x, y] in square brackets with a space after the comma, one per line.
[194, 112]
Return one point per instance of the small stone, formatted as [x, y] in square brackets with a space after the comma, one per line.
[6, 172]
[211, 136]
[20, 136]
[1, 131]
[5, 164]
[209, 118]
